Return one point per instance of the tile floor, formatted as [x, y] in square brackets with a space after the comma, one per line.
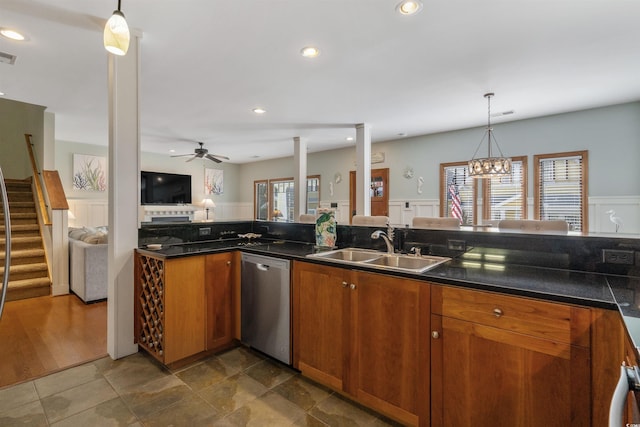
[237, 388]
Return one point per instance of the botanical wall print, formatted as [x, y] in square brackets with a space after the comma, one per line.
[89, 172]
[213, 181]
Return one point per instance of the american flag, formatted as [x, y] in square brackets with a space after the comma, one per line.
[456, 205]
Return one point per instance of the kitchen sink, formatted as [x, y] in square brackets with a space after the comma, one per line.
[416, 264]
[380, 260]
[349, 254]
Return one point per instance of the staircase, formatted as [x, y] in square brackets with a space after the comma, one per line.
[28, 274]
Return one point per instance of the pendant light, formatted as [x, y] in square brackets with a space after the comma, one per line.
[116, 33]
[486, 167]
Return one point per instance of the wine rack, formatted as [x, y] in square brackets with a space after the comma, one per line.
[151, 305]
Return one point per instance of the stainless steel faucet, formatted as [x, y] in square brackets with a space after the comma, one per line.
[387, 237]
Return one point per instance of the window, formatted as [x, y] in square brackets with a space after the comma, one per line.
[561, 188]
[505, 197]
[282, 199]
[458, 192]
[261, 199]
[274, 199]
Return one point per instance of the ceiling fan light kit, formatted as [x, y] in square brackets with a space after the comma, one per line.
[202, 152]
[116, 33]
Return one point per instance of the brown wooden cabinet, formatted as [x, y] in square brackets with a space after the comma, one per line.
[220, 276]
[363, 334]
[183, 306]
[170, 306]
[508, 361]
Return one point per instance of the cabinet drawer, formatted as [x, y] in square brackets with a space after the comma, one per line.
[517, 314]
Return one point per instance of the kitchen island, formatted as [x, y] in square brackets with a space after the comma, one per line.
[400, 350]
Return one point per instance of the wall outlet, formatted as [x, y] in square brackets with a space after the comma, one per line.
[204, 231]
[456, 245]
[617, 256]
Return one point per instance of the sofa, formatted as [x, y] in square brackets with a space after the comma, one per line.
[88, 263]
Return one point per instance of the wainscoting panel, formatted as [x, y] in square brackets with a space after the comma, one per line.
[88, 212]
[94, 212]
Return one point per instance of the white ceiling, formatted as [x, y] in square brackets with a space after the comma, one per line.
[206, 64]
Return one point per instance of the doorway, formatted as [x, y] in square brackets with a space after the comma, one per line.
[379, 192]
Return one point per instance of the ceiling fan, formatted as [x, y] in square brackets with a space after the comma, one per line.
[203, 152]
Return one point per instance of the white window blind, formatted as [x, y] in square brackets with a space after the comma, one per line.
[505, 196]
[456, 181]
[562, 189]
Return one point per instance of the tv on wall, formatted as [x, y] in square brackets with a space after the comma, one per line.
[159, 188]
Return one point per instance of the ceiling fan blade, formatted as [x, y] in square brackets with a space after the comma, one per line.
[192, 158]
[219, 156]
[210, 157]
[182, 155]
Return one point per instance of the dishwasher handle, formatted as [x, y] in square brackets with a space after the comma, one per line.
[262, 267]
[629, 381]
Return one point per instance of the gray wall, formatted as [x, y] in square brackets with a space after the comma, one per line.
[611, 134]
[16, 119]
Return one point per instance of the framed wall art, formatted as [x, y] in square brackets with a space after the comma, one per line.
[89, 172]
[213, 181]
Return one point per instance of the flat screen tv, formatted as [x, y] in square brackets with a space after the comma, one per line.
[159, 188]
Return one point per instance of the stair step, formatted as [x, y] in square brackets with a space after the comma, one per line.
[28, 288]
[24, 256]
[27, 271]
[23, 242]
[21, 229]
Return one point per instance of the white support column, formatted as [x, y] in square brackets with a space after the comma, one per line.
[300, 178]
[124, 178]
[363, 169]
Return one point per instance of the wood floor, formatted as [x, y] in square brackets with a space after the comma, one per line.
[42, 335]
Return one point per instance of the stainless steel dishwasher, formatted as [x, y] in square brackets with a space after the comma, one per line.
[266, 305]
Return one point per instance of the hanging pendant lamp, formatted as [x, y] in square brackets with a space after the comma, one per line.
[116, 33]
[486, 167]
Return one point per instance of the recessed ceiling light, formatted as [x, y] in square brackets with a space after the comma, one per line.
[349, 138]
[310, 52]
[259, 110]
[12, 34]
[172, 151]
[1, 93]
[409, 7]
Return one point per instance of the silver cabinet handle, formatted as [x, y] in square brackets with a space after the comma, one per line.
[228, 262]
[497, 312]
[262, 267]
[344, 284]
[352, 286]
[435, 334]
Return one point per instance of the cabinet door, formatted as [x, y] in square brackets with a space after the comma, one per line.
[489, 376]
[219, 278]
[320, 322]
[390, 353]
[184, 312]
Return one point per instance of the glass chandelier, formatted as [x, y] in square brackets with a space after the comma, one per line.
[486, 167]
[116, 33]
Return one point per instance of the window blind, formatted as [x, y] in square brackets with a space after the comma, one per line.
[457, 193]
[561, 183]
[506, 196]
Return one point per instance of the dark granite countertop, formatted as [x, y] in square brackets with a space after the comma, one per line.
[566, 286]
